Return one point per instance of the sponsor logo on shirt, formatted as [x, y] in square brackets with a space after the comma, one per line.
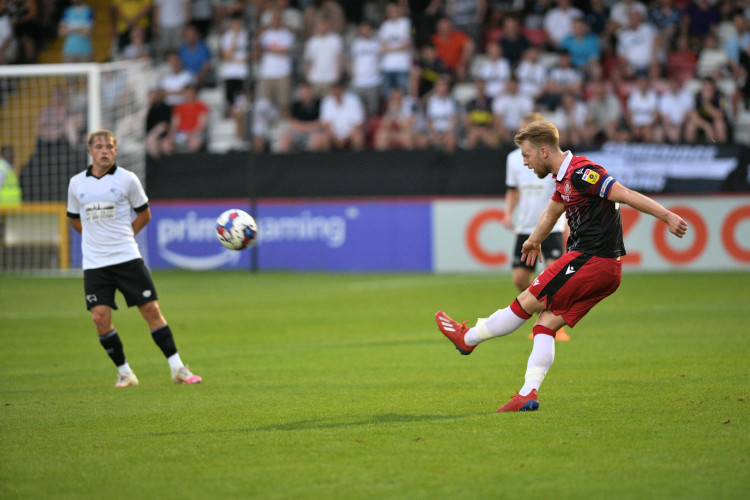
[590, 176]
[101, 210]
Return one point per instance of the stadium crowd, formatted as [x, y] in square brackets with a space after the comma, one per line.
[325, 74]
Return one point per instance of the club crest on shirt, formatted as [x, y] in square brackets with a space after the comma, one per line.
[568, 187]
[590, 176]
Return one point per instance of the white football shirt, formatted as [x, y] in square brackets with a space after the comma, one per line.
[104, 206]
[535, 194]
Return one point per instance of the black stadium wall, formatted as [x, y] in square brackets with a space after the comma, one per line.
[647, 168]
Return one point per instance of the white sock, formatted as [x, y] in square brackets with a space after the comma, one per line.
[501, 323]
[540, 361]
[125, 369]
[174, 361]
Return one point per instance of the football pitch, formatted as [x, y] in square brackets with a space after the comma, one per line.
[339, 386]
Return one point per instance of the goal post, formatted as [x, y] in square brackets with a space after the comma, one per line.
[46, 114]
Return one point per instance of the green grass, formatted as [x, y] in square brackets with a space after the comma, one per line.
[340, 386]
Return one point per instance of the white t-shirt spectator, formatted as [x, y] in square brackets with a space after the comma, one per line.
[441, 112]
[323, 52]
[565, 77]
[643, 107]
[495, 74]
[173, 84]
[620, 12]
[558, 23]
[172, 13]
[393, 33]
[343, 117]
[365, 57]
[636, 46]
[274, 64]
[512, 108]
[237, 68]
[675, 107]
[532, 77]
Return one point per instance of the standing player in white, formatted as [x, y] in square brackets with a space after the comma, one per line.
[100, 200]
[531, 195]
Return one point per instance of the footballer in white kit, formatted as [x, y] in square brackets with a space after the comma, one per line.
[100, 201]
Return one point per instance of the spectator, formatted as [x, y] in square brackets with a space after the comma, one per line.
[562, 78]
[641, 111]
[175, 81]
[603, 115]
[675, 105]
[291, 17]
[667, 19]
[454, 47]
[480, 123]
[202, 16]
[364, 67]
[427, 71]
[495, 70]
[196, 57]
[513, 42]
[558, 21]
[738, 42]
[398, 127]
[708, 116]
[234, 68]
[343, 117]
[75, 26]
[531, 74]
[636, 48]
[682, 61]
[329, 11]
[441, 114]
[23, 15]
[570, 119]
[169, 20]
[423, 15]
[56, 155]
[467, 16]
[189, 123]
[158, 122]
[264, 118]
[137, 48]
[8, 45]
[323, 58]
[712, 59]
[305, 131]
[125, 14]
[510, 108]
[619, 14]
[597, 17]
[396, 49]
[276, 43]
[700, 19]
[582, 45]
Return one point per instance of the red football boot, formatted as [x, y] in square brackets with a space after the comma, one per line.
[454, 331]
[530, 402]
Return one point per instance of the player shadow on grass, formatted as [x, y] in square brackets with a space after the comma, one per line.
[326, 423]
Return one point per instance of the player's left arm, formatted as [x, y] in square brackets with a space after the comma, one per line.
[142, 217]
[642, 203]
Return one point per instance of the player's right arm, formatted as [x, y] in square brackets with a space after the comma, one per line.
[532, 247]
[75, 223]
[512, 195]
[642, 203]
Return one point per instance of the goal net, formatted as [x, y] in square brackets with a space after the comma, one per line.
[46, 114]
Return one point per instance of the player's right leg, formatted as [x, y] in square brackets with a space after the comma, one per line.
[100, 300]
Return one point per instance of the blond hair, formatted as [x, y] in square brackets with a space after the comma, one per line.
[539, 133]
[102, 133]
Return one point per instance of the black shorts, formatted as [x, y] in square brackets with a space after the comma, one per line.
[132, 278]
[552, 248]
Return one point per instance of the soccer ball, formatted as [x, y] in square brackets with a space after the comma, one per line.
[236, 229]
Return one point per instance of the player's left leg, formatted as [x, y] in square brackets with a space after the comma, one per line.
[162, 335]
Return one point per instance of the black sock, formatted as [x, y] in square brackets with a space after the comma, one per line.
[163, 338]
[112, 344]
